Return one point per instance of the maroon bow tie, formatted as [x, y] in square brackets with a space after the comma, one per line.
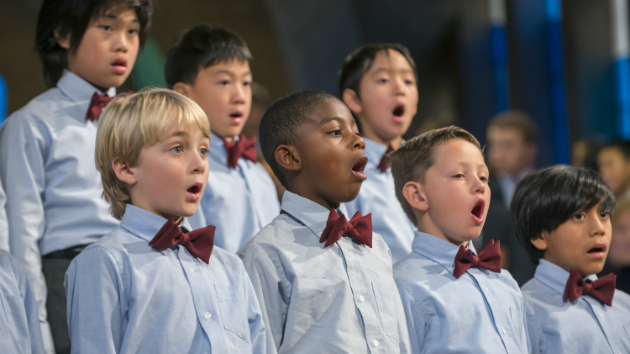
[601, 289]
[198, 242]
[359, 228]
[242, 148]
[489, 258]
[96, 106]
[384, 163]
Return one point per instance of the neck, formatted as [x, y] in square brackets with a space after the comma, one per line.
[310, 195]
[427, 226]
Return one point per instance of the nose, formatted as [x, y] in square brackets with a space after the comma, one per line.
[240, 93]
[121, 42]
[358, 142]
[198, 163]
[400, 88]
[479, 186]
[597, 226]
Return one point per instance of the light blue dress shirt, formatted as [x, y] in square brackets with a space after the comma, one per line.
[19, 324]
[378, 196]
[125, 297]
[584, 326]
[239, 202]
[340, 299]
[4, 226]
[52, 185]
[481, 312]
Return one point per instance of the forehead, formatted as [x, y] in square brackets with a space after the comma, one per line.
[505, 133]
[389, 61]
[229, 67]
[612, 152]
[457, 151]
[119, 12]
[330, 108]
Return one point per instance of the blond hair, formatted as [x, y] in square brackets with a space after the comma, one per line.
[132, 122]
[414, 158]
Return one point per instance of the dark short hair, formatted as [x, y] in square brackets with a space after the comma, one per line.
[280, 123]
[72, 18]
[621, 145]
[360, 61]
[200, 47]
[518, 120]
[545, 199]
[414, 158]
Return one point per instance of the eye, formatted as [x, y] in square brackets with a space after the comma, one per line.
[409, 82]
[224, 82]
[459, 176]
[247, 83]
[604, 214]
[483, 178]
[579, 216]
[106, 27]
[336, 132]
[133, 31]
[177, 149]
[382, 81]
[203, 151]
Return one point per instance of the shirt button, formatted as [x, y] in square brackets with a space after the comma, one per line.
[375, 343]
[601, 314]
[361, 298]
[192, 270]
[485, 288]
[208, 315]
[503, 330]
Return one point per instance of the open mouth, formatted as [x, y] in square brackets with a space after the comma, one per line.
[236, 117]
[195, 189]
[598, 250]
[398, 113]
[477, 211]
[359, 166]
[120, 66]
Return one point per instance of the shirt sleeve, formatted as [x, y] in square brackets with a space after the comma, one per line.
[534, 331]
[255, 318]
[22, 149]
[403, 331]
[4, 226]
[268, 286]
[96, 302]
[415, 320]
[30, 307]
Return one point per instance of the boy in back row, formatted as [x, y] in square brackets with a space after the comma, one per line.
[455, 299]
[378, 83]
[561, 215]
[54, 205]
[211, 66]
[152, 285]
[321, 292]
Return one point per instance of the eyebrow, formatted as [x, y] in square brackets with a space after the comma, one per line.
[231, 73]
[178, 133]
[339, 119]
[404, 71]
[112, 16]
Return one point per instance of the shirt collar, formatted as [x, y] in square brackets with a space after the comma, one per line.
[309, 213]
[374, 151]
[79, 90]
[145, 224]
[554, 276]
[437, 250]
[217, 147]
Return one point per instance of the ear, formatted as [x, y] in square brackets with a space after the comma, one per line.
[182, 88]
[351, 100]
[415, 195]
[64, 42]
[541, 242]
[288, 158]
[124, 172]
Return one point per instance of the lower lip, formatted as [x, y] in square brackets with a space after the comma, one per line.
[397, 119]
[597, 254]
[194, 196]
[360, 175]
[236, 120]
[119, 69]
[476, 220]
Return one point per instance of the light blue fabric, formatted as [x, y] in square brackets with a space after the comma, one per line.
[51, 183]
[239, 202]
[125, 297]
[584, 326]
[481, 312]
[19, 325]
[378, 196]
[4, 225]
[340, 299]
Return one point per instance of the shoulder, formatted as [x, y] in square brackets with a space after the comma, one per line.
[226, 260]
[621, 300]
[279, 231]
[416, 273]
[114, 245]
[39, 108]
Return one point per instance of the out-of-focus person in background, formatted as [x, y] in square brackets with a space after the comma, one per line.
[261, 101]
[613, 161]
[511, 153]
[619, 255]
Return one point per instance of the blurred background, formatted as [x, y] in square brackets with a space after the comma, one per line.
[562, 63]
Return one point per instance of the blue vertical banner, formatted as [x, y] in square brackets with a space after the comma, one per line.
[4, 106]
[621, 65]
[499, 54]
[556, 81]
